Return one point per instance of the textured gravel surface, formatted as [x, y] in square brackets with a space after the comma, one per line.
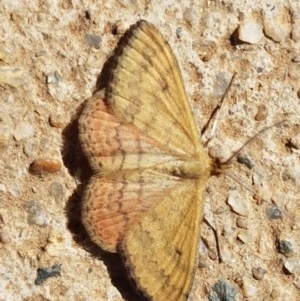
[51, 53]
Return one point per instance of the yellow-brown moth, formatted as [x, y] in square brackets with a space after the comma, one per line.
[145, 198]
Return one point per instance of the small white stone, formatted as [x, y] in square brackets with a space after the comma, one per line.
[11, 76]
[249, 289]
[14, 190]
[244, 236]
[257, 178]
[53, 78]
[278, 32]
[23, 130]
[190, 15]
[30, 148]
[121, 27]
[39, 219]
[36, 213]
[219, 151]
[57, 120]
[57, 190]
[221, 83]
[238, 206]
[227, 257]
[250, 32]
[292, 265]
[228, 229]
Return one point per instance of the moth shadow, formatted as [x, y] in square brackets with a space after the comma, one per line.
[78, 166]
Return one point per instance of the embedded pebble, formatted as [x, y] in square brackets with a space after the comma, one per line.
[277, 31]
[242, 222]
[219, 152]
[14, 189]
[273, 212]
[11, 76]
[179, 32]
[242, 159]
[190, 15]
[227, 257]
[257, 178]
[23, 130]
[244, 236]
[222, 291]
[228, 229]
[249, 289]
[35, 213]
[262, 113]
[277, 23]
[202, 262]
[44, 273]
[238, 206]
[120, 27]
[221, 82]
[30, 148]
[212, 254]
[44, 166]
[57, 190]
[58, 121]
[4, 237]
[292, 265]
[250, 32]
[258, 273]
[298, 93]
[286, 248]
[53, 78]
[93, 41]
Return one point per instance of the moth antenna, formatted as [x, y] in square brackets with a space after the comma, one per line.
[214, 116]
[215, 111]
[216, 235]
[239, 182]
[227, 162]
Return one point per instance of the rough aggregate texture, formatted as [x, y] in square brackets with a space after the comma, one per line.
[47, 70]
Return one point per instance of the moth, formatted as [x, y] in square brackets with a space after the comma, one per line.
[145, 198]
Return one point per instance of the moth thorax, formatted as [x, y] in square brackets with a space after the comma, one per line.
[193, 169]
